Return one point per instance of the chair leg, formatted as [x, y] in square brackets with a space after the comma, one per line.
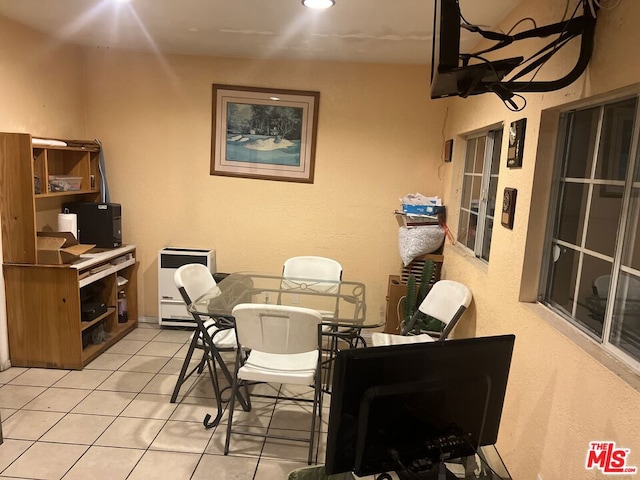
[185, 365]
[317, 402]
[232, 401]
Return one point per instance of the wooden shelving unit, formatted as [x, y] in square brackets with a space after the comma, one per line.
[44, 301]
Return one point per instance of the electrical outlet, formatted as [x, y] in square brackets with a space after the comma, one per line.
[295, 298]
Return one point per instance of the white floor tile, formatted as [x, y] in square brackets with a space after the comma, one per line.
[126, 381]
[173, 336]
[85, 379]
[165, 384]
[145, 364]
[148, 405]
[182, 437]
[130, 433]
[108, 361]
[46, 461]
[16, 396]
[227, 467]
[126, 346]
[26, 425]
[12, 449]
[104, 403]
[78, 428]
[57, 399]
[105, 463]
[160, 349]
[11, 373]
[39, 377]
[144, 334]
[165, 466]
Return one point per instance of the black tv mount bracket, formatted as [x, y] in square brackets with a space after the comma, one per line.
[584, 26]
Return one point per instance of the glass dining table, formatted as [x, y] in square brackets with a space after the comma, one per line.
[341, 304]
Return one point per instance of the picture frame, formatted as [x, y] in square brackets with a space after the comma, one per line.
[508, 207]
[515, 148]
[264, 133]
[448, 150]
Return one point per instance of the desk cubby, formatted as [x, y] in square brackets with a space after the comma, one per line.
[44, 308]
[44, 301]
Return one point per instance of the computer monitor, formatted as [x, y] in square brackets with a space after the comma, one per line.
[410, 407]
[449, 76]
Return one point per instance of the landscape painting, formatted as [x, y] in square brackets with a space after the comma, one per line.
[264, 133]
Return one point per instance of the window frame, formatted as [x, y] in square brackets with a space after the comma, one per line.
[490, 134]
[555, 200]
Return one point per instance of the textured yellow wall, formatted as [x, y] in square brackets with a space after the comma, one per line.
[378, 139]
[41, 84]
[559, 397]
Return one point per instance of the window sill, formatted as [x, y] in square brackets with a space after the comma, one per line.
[469, 256]
[587, 344]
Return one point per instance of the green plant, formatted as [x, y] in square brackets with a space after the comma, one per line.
[416, 293]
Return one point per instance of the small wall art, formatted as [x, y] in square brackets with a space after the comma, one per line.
[516, 143]
[448, 150]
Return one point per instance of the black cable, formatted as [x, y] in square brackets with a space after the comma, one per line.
[535, 25]
[483, 460]
[555, 44]
[511, 105]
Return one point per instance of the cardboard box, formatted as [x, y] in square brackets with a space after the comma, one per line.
[395, 308]
[58, 248]
[421, 209]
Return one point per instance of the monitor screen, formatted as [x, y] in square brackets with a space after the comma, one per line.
[411, 406]
[450, 76]
[446, 37]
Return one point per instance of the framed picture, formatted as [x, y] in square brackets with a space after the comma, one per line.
[264, 133]
[448, 150]
[516, 143]
[508, 207]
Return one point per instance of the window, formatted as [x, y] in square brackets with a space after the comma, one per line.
[479, 188]
[593, 268]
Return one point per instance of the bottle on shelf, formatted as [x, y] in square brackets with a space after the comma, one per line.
[123, 316]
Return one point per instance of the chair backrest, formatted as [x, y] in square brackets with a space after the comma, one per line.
[315, 268]
[447, 300]
[193, 280]
[631, 288]
[277, 329]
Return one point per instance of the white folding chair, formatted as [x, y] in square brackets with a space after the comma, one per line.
[192, 281]
[446, 301]
[277, 344]
[311, 271]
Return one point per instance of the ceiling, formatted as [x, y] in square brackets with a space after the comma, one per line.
[388, 31]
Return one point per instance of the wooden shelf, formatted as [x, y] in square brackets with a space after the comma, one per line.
[64, 194]
[44, 302]
[87, 325]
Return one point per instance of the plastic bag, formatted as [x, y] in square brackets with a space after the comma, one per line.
[416, 241]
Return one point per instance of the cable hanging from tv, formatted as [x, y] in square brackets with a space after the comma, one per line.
[454, 73]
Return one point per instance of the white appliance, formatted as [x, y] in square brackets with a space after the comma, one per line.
[172, 311]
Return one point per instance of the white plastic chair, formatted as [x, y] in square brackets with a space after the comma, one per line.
[446, 301]
[307, 268]
[282, 344]
[192, 281]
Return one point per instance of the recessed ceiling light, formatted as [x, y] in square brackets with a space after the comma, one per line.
[275, 99]
[319, 4]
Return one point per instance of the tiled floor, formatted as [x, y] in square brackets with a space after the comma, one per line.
[113, 420]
